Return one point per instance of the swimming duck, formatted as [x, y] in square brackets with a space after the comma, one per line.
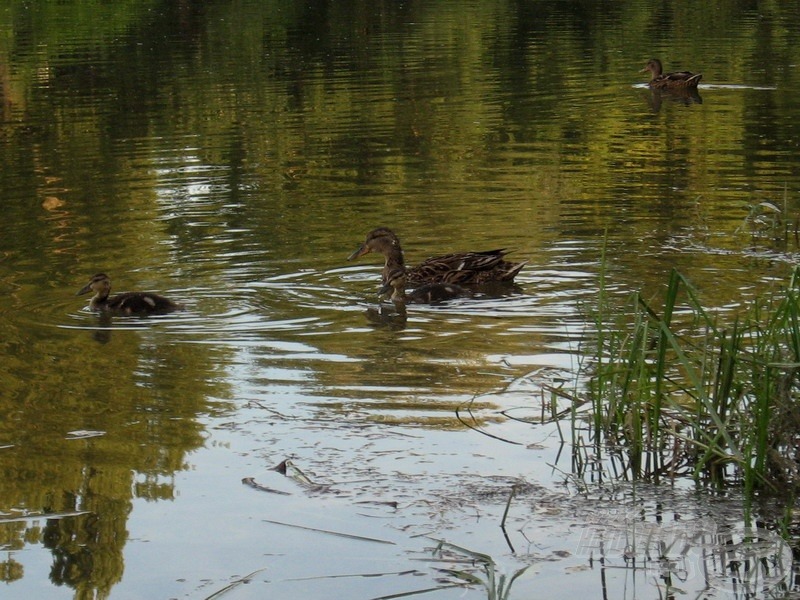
[461, 268]
[430, 293]
[126, 303]
[677, 80]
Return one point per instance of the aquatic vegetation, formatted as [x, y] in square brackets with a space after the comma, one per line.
[771, 224]
[675, 391]
[496, 584]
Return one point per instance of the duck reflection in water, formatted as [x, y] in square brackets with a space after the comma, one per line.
[102, 333]
[687, 97]
[126, 303]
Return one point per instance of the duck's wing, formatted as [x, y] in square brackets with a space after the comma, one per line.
[679, 78]
[138, 303]
[458, 267]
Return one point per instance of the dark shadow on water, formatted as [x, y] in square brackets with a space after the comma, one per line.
[102, 334]
[497, 289]
[687, 97]
[388, 316]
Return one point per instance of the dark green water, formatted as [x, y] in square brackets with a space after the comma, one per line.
[232, 155]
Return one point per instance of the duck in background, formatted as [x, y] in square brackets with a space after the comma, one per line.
[679, 80]
[126, 303]
[460, 268]
[430, 293]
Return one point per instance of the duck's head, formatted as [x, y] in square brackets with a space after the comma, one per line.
[100, 284]
[654, 66]
[381, 240]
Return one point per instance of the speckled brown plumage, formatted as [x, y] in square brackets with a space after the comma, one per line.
[460, 268]
[676, 80]
[126, 303]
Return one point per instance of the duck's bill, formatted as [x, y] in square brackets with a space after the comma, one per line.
[362, 250]
[85, 289]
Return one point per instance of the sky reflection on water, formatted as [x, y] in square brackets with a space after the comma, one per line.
[231, 156]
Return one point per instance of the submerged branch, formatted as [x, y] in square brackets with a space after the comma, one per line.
[478, 429]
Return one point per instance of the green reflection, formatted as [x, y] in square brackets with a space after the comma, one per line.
[208, 149]
[77, 433]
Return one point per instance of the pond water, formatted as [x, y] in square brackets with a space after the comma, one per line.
[231, 155]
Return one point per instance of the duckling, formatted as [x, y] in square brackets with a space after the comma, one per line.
[126, 303]
[667, 81]
[430, 293]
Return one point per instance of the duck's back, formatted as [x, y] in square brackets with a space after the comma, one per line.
[465, 268]
[140, 303]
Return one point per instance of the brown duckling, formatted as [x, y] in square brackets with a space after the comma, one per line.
[463, 268]
[676, 80]
[430, 293]
[126, 303]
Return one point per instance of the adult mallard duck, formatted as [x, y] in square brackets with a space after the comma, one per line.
[430, 293]
[666, 81]
[126, 303]
[462, 268]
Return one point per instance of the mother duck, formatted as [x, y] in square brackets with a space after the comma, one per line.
[460, 268]
[679, 80]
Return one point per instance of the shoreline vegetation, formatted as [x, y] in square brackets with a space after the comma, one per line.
[675, 391]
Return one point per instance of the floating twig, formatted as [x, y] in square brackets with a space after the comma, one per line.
[262, 488]
[478, 429]
[234, 584]
[336, 533]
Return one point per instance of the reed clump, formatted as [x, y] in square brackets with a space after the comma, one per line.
[673, 391]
